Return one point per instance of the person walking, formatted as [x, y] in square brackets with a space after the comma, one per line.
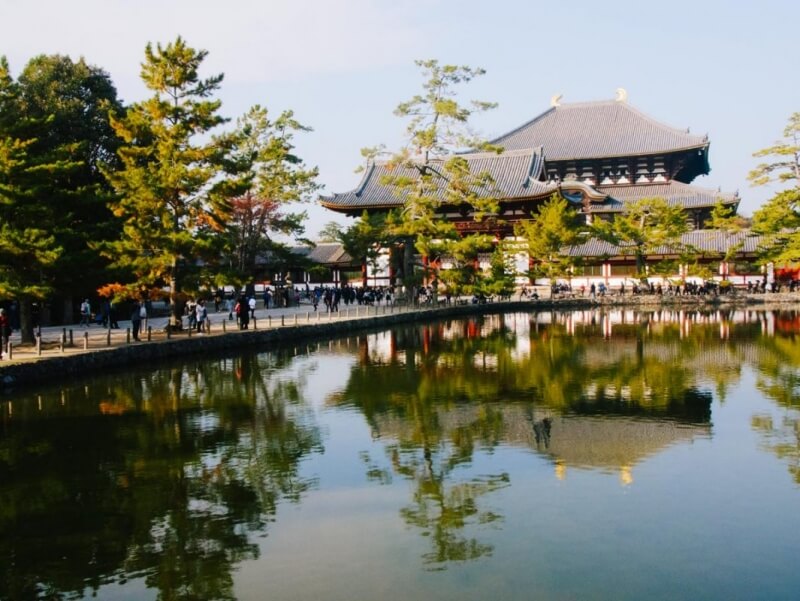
[112, 316]
[143, 315]
[136, 320]
[104, 312]
[201, 313]
[86, 313]
[5, 332]
[244, 313]
[191, 314]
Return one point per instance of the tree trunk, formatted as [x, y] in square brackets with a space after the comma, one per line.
[408, 269]
[640, 264]
[175, 303]
[26, 321]
[364, 280]
[68, 311]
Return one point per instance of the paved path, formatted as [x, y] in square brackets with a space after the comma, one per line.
[96, 337]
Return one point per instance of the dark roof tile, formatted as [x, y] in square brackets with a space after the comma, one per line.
[590, 130]
[714, 242]
[516, 174]
[675, 193]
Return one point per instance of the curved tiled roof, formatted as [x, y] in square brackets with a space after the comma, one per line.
[324, 253]
[516, 174]
[714, 242]
[675, 193]
[718, 242]
[593, 130]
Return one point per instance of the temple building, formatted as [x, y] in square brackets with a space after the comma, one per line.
[599, 156]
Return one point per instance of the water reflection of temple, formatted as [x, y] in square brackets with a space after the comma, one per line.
[552, 382]
[385, 347]
[611, 444]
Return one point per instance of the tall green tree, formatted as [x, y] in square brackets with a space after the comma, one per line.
[276, 178]
[547, 234]
[646, 225]
[174, 186]
[463, 274]
[785, 154]
[365, 240]
[28, 248]
[429, 174]
[778, 220]
[66, 105]
[725, 219]
[330, 232]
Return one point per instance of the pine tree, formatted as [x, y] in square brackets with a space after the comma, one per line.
[66, 104]
[365, 239]
[785, 166]
[725, 219]
[778, 220]
[28, 249]
[175, 180]
[646, 225]
[275, 178]
[429, 176]
[547, 234]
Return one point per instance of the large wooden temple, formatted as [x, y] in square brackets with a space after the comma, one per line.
[600, 156]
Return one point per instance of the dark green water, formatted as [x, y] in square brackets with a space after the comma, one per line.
[553, 456]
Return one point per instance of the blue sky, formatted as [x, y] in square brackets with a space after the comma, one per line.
[723, 68]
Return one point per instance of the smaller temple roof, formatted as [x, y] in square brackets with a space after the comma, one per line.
[714, 242]
[516, 174]
[674, 192]
[718, 242]
[597, 130]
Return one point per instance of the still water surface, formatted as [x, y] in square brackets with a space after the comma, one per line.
[586, 455]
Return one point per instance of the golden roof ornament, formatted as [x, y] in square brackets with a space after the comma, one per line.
[622, 95]
[556, 100]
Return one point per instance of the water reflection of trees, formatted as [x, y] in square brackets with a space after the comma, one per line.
[779, 379]
[438, 392]
[164, 478]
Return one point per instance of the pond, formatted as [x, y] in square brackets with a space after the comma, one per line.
[565, 455]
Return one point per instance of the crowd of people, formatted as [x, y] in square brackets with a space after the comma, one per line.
[329, 298]
[242, 307]
[688, 288]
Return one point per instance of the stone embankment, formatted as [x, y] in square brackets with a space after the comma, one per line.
[64, 362]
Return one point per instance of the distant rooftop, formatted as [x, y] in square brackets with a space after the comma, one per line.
[324, 253]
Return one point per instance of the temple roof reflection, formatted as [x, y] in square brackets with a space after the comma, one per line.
[605, 442]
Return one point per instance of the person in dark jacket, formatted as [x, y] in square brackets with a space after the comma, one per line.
[244, 313]
[136, 320]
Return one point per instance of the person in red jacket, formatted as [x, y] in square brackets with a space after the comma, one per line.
[5, 332]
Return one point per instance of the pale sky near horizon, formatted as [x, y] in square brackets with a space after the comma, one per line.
[719, 67]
